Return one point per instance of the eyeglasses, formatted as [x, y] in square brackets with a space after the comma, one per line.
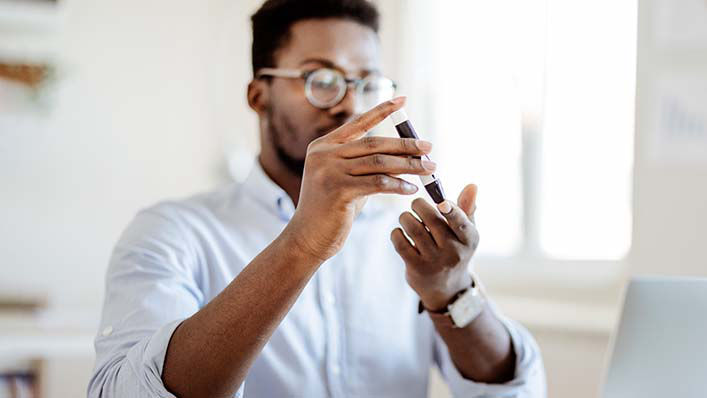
[325, 88]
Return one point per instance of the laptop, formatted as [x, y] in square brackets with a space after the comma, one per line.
[660, 347]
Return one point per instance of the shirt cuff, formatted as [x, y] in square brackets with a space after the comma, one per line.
[151, 359]
[529, 379]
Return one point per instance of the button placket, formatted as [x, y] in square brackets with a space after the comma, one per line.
[328, 304]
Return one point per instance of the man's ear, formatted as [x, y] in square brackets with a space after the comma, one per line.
[258, 95]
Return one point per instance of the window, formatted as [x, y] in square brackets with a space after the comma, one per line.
[534, 101]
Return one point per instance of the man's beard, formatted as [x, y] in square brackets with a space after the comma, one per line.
[293, 164]
[279, 127]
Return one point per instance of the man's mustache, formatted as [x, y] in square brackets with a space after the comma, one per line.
[333, 126]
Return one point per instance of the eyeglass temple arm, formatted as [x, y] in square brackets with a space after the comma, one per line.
[295, 74]
[276, 72]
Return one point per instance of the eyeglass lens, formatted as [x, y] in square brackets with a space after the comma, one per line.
[326, 88]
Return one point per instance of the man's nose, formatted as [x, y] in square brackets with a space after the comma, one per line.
[348, 105]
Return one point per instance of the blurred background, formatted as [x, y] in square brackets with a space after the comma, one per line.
[584, 123]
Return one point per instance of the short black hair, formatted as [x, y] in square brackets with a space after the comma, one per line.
[272, 22]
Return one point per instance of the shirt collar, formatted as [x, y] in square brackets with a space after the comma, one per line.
[264, 190]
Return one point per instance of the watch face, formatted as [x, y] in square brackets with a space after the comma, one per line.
[467, 307]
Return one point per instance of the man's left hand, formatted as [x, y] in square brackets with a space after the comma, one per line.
[442, 245]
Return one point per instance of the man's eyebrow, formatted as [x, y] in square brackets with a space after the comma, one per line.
[321, 61]
[329, 64]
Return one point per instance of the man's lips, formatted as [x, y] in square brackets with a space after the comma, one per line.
[331, 127]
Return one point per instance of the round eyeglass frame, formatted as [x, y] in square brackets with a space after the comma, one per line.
[307, 76]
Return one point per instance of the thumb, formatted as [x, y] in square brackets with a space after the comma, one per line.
[467, 199]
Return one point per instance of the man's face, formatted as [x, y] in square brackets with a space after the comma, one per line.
[292, 122]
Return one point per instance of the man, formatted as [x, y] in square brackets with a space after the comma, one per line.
[290, 284]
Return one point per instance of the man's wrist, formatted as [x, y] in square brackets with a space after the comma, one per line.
[295, 249]
[438, 300]
[462, 309]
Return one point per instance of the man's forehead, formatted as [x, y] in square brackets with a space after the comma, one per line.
[344, 44]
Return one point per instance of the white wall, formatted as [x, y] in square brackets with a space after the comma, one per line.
[150, 97]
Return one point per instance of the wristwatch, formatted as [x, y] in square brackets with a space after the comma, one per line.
[464, 307]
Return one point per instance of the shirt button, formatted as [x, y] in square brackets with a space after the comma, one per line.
[330, 298]
[335, 369]
[107, 331]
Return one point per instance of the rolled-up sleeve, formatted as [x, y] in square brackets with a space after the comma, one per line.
[528, 382]
[151, 287]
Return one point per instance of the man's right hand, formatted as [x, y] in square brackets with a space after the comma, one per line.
[341, 169]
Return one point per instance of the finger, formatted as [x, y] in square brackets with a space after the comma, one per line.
[433, 220]
[389, 164]
[366, 121]
[460, 223]
[467, 199]
[380, 183]
[417, 232]
[389, 145]
[402, 245]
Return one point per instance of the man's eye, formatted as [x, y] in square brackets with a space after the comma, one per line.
[325, 83]
[371, 87]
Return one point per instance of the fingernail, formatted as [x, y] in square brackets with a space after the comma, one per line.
[429, 165]
[424, 146]
[398, 100]
[445, 207]
[409, 187]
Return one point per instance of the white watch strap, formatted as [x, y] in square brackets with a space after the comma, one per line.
[467, 307]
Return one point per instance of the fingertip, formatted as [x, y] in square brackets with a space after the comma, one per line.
[393, 232]
[418, 202]
[467, 199]
[398, 100]
[445, 207]
[472, 190]
[409, 189]
[397, 237]
[422, 145]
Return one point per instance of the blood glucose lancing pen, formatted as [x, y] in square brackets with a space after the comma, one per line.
[405, 130]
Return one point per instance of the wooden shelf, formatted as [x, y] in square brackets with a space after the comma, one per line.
[31, 75]
[32, 342]
[45, 335]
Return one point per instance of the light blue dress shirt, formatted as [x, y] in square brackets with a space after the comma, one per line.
[353, 332]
